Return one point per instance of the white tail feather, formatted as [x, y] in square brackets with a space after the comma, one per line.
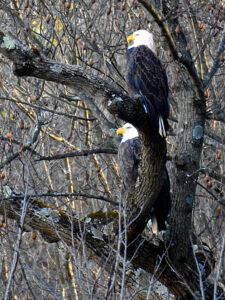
[155, 228]
[162, 130]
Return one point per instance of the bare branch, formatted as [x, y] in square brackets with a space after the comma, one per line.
[78, 153]
[48, 110]
[68, 195]
[214, 174]
[213, 136]
[41, 281]
[18, 242]
[70, 99]
[216, 279]
[27, 145]
[216, 63]
[216, 114]
[101, 116]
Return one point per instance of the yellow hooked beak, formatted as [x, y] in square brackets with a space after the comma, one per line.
[120, 130]
[130, 38]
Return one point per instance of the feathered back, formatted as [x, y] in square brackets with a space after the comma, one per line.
[147, 78]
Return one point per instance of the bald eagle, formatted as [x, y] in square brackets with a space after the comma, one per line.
[128, 160]
[147, 79]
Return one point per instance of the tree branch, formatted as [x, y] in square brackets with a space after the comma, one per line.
[216, 63]
[27, 145]
[48, 110]
[214, 136]
[18, 242]
[28, 62]
[217, 114]
[69, 195]
[78, 153]
[213, 174]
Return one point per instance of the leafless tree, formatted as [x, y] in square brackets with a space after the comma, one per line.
[65, 232]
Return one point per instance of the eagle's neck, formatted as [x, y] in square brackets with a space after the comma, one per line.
[129, 136]
[133, 46]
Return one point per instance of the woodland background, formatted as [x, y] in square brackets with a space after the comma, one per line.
[59, 183]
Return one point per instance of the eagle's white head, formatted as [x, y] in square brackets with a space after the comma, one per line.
[128, 131]
[141, 38]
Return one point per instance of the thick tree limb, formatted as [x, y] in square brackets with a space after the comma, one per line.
[28, 62]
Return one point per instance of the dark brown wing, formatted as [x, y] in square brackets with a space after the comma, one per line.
[128, 160]
[147, 78]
